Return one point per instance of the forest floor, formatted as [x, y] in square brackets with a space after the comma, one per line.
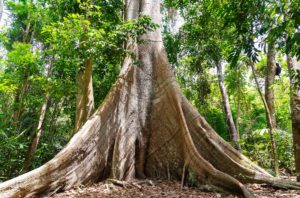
[164, 189]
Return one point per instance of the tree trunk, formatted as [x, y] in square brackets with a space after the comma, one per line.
[85, 95]
[270, 124]
[144, 127]
[269, 84]
[57, 107]
[36, 137]
[22, 90]
[295, 107]
[234, 136]
[26, 35]
[18, 103]
[238, 109]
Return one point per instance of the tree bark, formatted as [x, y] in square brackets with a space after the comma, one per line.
[270, 124]
[234, 136]
[269, 83]
[295, 107]
[36, 137]
[144, 127]
[85, 95]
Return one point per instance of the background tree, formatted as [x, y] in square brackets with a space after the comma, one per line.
[205, 41]
[293, 69]
[258, 22]
[269, 83]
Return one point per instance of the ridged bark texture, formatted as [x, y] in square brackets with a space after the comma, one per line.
[145, 127]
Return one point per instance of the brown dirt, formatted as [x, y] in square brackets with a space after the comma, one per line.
[165, 189]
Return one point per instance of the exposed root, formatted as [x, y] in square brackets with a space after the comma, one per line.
[209, 177]
[184, 171]
[136, 185]
[277, 183]
[143, 182]
[130, 184]
[118, 182]
[109, 188]
[245, 170]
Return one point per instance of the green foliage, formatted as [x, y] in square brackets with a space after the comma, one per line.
[12, 149]
[257, 146]
[45, 46]
[64, 33]
[231, 32]
[257, 22]
[192, 179]
[22, 60]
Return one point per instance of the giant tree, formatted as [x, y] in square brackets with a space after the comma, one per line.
[145, 127]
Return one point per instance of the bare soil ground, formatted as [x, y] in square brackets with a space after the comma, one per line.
[164, 189]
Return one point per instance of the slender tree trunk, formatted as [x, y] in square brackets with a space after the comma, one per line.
[295, 107]
[269, 84]
[58, 105]
[22, 90]
[85, 95]
[238, 109]
[18, 106]
[26, 36]
[269, 121]
[227, 109]
[145, 126]
[36, 137]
